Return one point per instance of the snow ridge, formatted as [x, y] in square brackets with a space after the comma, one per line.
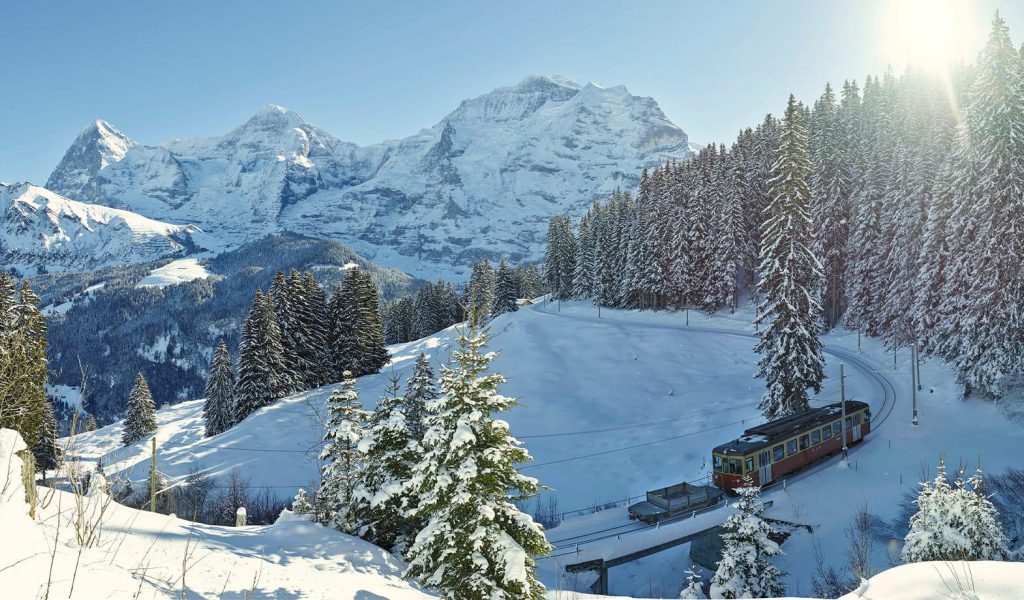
[39, 228]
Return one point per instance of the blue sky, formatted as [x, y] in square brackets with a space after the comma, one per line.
[368, 71]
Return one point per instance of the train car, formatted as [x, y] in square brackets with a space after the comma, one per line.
[770, 451]
[674, 500]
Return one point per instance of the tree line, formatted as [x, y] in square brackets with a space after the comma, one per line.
[439, 305]
[911, 191]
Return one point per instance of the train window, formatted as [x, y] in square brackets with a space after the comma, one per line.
[750, 464]
[791, 447]
[826, 432]
[734, 466]
[805, 441]
[718, 462]
[778, 453]
[815, 437]
[867, 416]
[837, 428]
[849, 423]
[856, 419]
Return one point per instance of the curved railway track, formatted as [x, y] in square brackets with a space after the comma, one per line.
[881, 411]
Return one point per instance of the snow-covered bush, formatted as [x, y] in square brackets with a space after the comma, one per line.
[955, 522]
[745, 570]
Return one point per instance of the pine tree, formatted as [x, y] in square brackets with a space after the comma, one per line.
[420, 392]
[954, 522]
[23, 365]
[791, 352]
[481, 287]
[389, 452]
[140, 419]
[343, 337]
[260, 360]
[992, 341]
[372, 355]
[693, 589]
[219, 409]
[529, 281]
[341, 457]
[90, 424]
[745, 570]
[313, 318]
[505, 291]
[46, 452]
[282, 296]
[476, 544]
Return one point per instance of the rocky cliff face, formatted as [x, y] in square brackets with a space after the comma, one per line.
[483, 181]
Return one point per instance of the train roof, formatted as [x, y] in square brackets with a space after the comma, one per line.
[772, 432]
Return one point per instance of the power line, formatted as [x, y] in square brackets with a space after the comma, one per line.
[623, 427]
[651, 443]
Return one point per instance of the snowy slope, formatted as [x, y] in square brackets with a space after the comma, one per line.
[147, 555]
[484, 180]
[39, 228]
[175, 272]
[650, 394]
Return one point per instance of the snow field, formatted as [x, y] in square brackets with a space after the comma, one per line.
[632, 379]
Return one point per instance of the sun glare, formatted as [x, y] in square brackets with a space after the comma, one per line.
[930, 34]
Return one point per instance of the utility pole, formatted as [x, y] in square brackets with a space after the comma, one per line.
[152, 480]
[842, 398]
[913, 387]
[917, 364]
[687, 316]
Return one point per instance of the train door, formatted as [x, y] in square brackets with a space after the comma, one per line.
[764, 464]
[856, 428]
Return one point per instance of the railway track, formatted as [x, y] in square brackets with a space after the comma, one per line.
[881, 411]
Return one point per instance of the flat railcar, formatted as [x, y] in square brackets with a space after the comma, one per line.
[770, 451]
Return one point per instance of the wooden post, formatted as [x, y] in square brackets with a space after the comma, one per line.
[152, 480]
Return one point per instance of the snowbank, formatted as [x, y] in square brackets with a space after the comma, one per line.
[982, 580]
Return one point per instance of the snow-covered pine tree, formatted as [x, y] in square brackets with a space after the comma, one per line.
[389, 452]
[694, 590]
[830, 214]
[583, 272]
[90, 424]
[481, 288]
[312, 335]
[529, 281]
[340, 456]
[476, 544]
[260, 362]
[343, 337]
[372, 355]
[791, 352]
[745, 570]
[282, 296]
[219, 408]
[992, 343]
[420, 391]
[505, 291]
[23, 365]
[140, 418]
[953, 522]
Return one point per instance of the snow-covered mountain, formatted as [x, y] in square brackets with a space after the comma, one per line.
[483, 181]
[42, 230]
[98, 146]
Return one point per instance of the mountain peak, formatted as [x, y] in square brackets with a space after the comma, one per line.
[98, 145]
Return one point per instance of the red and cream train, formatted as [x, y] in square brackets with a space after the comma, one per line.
[770, 451]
